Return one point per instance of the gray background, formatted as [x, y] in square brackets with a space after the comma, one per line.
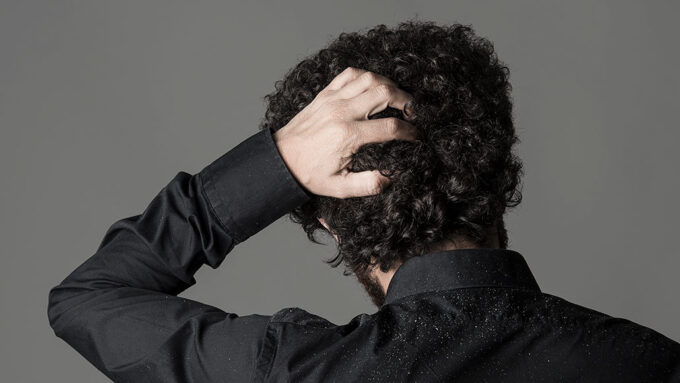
[102, 103]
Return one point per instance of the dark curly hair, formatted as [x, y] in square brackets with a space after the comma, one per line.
[457, 179]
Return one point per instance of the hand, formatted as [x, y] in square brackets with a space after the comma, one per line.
[317, 144]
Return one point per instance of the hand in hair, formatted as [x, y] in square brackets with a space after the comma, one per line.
[317, 144]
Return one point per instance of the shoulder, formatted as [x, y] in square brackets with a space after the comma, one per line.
[301, 317]
[297, 337]
[634, 351]
[618, 345]
[599, 325]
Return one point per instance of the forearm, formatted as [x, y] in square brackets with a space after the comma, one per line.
[121, 304]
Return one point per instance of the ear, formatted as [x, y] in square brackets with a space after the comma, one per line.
[323, 222]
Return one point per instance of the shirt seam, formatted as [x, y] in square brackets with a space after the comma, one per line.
[269, 340]
[335, 326]
[266, 340]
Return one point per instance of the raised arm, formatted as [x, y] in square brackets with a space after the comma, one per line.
[120, 308]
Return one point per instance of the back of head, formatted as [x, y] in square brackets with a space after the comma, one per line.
[457, 179]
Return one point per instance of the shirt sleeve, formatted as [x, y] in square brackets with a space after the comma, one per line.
[120, 309]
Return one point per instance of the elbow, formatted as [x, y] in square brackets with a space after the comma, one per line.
[53, 307]
[57, 305]
[67, 302]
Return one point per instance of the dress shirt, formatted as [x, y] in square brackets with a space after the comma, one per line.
[464, 315]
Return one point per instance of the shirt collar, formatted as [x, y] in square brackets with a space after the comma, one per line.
[460, 268]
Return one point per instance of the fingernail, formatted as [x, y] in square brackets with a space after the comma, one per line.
[409, 110]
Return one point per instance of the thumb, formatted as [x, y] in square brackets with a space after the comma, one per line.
[360, 184]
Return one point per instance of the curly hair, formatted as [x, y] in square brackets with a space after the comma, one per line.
[457, 179]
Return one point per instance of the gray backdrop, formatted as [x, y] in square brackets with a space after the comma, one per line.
[102, 103]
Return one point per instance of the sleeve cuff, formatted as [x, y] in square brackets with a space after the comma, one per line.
[250, 186]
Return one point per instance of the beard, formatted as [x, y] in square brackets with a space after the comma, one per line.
[372, 287]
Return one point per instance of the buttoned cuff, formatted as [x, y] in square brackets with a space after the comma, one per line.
[250, 186]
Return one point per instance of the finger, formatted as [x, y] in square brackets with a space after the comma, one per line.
[378, 98]
[346, 76]
[360, 184]
[362, 83]
[385, 129]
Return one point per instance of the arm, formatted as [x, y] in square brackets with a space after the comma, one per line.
[120, 308]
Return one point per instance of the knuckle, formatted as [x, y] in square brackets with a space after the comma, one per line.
[384, 90]
[351, 70]
[370, 77]
[392, 124]
[376, 186]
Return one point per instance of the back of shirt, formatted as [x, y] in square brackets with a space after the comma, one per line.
[475, 334]
[468, 315]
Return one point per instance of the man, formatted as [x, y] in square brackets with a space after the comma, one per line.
[399, 144]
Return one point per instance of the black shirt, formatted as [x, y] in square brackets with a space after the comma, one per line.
[466, 315]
